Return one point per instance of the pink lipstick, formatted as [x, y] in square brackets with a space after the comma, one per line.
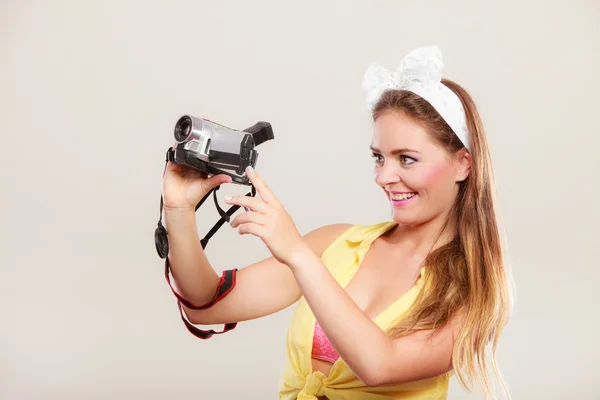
[399, 200]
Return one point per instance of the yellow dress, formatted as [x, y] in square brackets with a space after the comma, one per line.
[299, 381]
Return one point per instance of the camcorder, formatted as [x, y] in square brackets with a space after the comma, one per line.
[216, 149]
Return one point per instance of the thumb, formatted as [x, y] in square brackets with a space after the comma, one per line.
[214, 181]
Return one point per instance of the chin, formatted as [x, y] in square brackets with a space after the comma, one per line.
[406, 219]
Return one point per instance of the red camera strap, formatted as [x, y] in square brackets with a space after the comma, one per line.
[226, 285]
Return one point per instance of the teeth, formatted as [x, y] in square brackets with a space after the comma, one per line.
[403, 196]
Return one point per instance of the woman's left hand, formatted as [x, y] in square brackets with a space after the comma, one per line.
[268, 220]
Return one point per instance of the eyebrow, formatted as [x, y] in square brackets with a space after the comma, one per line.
[396, 151]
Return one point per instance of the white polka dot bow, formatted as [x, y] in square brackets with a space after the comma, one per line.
[420, 73]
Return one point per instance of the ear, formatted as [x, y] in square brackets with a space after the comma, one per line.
[462, 165]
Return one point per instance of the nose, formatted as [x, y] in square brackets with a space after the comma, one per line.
[387, 175]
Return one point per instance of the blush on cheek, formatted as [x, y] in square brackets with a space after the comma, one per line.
[433, 175]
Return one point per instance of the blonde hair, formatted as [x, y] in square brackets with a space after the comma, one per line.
[467, 276]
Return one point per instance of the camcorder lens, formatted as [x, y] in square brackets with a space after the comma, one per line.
[183, 129]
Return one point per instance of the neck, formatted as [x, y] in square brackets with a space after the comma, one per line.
[422, 238]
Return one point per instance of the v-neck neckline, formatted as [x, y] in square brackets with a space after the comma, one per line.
[361, 251]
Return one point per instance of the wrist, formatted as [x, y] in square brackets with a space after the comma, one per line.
[177, 216]
[300, 255]
[175, 212]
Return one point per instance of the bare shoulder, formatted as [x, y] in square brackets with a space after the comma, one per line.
[320, 238]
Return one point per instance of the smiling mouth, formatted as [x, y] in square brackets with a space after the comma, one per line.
[402, 196]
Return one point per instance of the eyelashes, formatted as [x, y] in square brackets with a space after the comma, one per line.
[403, 159]
[408, 160]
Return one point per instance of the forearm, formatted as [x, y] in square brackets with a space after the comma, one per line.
[194, 277]
[358, 340]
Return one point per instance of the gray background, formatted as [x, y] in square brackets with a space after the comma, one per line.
[89, 94]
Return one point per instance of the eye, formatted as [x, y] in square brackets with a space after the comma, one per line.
[378, 158]
[406, 160]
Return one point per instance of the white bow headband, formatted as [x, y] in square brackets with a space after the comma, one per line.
[420, 73]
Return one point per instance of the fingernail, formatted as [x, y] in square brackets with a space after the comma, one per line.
[250, 169]
[227, 198]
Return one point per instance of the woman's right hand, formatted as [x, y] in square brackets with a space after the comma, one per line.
[184, 187]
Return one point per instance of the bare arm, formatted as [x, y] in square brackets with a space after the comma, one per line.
[261, 289]
[193, 276]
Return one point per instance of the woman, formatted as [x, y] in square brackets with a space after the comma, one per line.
[389, 310]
